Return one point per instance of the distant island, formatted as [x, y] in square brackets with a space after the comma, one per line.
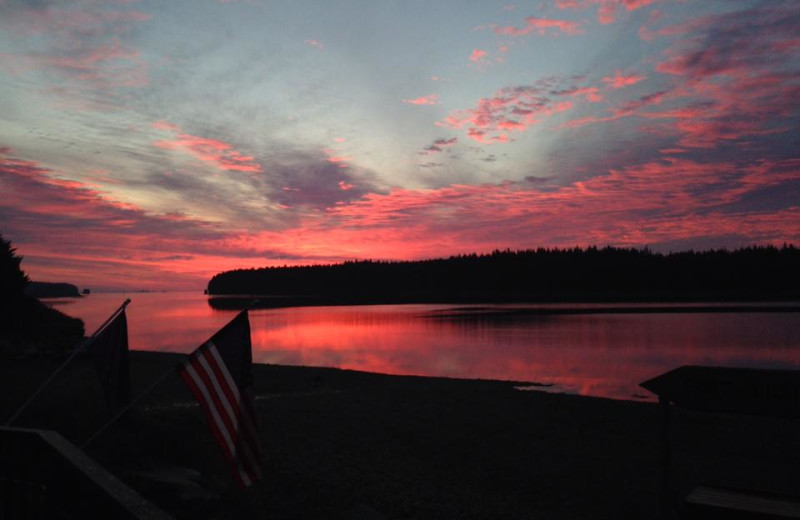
[609, 274]
[51, 290]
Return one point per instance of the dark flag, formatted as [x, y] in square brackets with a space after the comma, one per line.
[219, 374]
[109, 351]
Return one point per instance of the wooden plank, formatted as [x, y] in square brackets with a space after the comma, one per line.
[737, 390]
[756, 505]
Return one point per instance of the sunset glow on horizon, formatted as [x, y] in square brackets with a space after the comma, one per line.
[150, 145]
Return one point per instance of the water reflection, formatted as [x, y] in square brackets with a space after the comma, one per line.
[603, 355]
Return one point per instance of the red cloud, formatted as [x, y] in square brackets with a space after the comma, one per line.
[477, 55]
[606, 9]
[737, 73]
[620, 80]
[511, 109]
[120, 245]
[83, 44]
[430, 99]
[651, 203]
[166, 125]
[540, 26]
[219, 153]
[338, 159]
[591, 94]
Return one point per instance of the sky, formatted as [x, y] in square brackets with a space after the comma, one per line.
[148, 145]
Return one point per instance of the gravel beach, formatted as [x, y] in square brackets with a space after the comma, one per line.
[355, 445]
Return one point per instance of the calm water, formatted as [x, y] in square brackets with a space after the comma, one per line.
[603, 355]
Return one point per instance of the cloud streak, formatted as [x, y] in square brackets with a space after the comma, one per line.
[509, 110]
[220, 154]
[606, 9]
[430, 99]
[540, 27]
[83, 43]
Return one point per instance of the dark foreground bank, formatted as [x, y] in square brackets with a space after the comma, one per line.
[353, 445]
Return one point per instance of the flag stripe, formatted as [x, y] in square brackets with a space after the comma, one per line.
[220, 395]
[212, 415]
[247, 413]
[210, 420]
[250, 426]
[232, 415]
[214, 359]
[243, 415]
[242, 457]
[227, 401]
[217, 423]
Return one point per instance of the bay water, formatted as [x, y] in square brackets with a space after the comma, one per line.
[593, 352]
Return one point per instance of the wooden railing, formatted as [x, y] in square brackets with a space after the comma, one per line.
[44, 476]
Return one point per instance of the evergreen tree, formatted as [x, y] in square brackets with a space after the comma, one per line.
[12, 278]
[27, 326]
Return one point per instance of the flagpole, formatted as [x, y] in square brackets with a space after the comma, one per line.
[146, 391]
[128, 407]
[80, 348]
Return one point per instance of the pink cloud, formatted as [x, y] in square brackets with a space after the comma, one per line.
[314, 43]
[645, 31]
[84, 44]
[591, 94]
[719, 65]
[511, 109]
[109, 65]
[430, 99]
[121, 245]
[650, 203]
[606, 9]
[218, 153]
[338, 159]
[620, 80]
[333, 158]
[477, 55]
[540, 26]
[166, 125]
[439, 145]
[721, 88]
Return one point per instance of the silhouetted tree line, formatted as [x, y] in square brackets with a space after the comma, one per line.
[591, 274]
[27, 326]
[51, 290]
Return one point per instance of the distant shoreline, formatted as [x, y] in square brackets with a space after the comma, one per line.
[510, 308]
[755, 274]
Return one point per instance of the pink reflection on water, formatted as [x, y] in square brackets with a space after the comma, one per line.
[603, 355]
[161, 322]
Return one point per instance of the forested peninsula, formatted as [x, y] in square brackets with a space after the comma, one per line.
[609, 274]
[52, 290]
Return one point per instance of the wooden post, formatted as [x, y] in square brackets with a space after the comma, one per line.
[666, 460]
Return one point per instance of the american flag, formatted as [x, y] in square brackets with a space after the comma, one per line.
[109, 351]
[219, 375]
